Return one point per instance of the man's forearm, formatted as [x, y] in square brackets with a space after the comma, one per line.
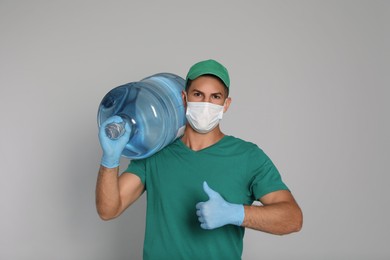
[279, 218]
[107, 193]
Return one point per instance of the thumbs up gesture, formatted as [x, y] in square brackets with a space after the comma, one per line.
[217, 212]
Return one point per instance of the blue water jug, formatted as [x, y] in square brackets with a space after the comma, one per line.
[153, 107]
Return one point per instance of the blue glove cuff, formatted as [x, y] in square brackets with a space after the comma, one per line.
[239, 214]
[109, 163]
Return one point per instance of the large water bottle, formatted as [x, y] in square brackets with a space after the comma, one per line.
[153, 107]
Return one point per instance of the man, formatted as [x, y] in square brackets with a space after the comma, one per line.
[200, 188]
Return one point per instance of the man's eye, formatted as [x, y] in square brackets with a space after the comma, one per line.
[216, 96]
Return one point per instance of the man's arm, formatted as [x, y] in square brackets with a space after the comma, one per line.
[115, 193]
[279, 214]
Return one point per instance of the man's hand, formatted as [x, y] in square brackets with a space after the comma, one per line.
[216, 212]
[112, 149]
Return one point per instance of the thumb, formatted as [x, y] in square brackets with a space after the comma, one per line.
[210, 192]
[127, 131]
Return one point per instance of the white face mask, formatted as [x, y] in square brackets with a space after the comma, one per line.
[203, 116]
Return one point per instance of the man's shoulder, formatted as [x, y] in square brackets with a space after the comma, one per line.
[236, 140]
[238, 143]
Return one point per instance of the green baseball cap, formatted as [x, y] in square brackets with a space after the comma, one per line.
[209, 67]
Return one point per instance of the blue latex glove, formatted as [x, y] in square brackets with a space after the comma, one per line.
[112, 149]
[216, 212]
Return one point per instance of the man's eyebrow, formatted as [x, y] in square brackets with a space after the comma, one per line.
[197, 90]
[216, 93]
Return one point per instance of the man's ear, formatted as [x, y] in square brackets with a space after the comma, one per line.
[228, 101]
[183, 96]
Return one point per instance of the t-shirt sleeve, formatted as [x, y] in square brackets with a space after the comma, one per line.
[138, 167]
[265, 176]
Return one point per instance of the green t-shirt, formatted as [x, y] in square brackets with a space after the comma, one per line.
[173, 178]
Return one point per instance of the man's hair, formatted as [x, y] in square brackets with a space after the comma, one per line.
[188, 83]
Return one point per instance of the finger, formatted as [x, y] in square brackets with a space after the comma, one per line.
[127, 133]
[204, 226]
[199, 205]
[127, 127]
[116, 119]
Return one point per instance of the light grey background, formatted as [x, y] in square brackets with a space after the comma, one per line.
[310, 85]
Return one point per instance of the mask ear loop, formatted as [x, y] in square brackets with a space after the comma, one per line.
[223, 111]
